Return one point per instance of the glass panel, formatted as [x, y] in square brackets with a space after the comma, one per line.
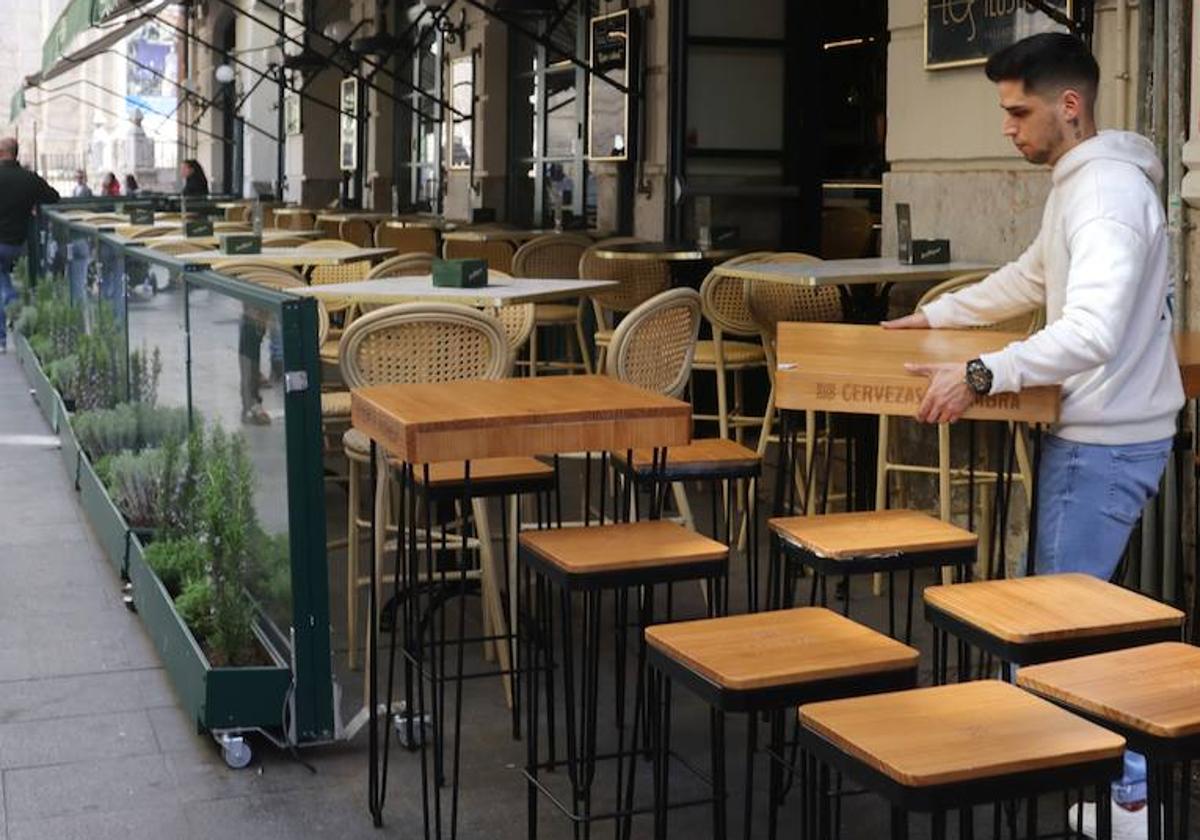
[744, 19]
[742, 110]
[562, 116]
[236, 350]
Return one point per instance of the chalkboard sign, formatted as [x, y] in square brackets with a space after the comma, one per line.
[608, 122]
[963, 32]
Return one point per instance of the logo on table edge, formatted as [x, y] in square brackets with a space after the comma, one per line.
[863, 394]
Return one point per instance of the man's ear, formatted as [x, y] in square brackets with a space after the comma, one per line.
[1072, 104]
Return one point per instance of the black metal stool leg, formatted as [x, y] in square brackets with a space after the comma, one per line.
[717, 745]
[899, 823]
[776, 775]
[751, 747]
[1103, 813]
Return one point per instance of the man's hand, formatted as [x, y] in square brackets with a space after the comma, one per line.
[915, 321]
[948, 396]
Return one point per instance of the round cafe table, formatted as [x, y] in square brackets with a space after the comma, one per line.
[688, 263]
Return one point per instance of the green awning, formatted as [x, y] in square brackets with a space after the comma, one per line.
[78, 17]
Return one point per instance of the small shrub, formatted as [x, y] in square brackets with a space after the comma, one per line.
[63, 373]
[195, 606]
[134, 482]
[128, 426]
[176, 562]
[144, 372]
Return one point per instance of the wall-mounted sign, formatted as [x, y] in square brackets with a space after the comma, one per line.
[462, 97]
[349, 125]
[964, 32]
[608, 107]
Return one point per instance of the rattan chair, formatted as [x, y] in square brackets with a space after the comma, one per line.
[239, 268]
[498, 253]
[176, 248]
[769, 305]
[286, 242]
[517, 319]
[723, 299]
[149, 233]
[415, 343]
[555, 257]
[949, 476]
[330, 228]
[637, 282]
[357, 231]
[406, 239]
[237, 213]
[295, 221]
[846, 232]
[402, 265]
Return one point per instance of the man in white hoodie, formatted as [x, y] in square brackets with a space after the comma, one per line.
[1099, 266]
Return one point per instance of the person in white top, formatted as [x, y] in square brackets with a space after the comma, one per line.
[1099, 267]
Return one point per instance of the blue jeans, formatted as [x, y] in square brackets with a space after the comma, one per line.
[8, 256]
[1089, 498]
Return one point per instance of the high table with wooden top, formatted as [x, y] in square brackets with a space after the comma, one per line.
[1149, 696]
[463, 421]
[865, 283]
[498, 292]
[859, 370]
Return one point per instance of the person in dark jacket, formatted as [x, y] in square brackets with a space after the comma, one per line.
[20, 191]
[195, 182]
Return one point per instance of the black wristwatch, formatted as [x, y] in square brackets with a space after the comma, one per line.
[979, 377]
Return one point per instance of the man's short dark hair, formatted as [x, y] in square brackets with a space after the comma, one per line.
[1047, 63]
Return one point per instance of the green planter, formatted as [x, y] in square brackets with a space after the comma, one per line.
[215, 698]
[107, 522]
[43, 392]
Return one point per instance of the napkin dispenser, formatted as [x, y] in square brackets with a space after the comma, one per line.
[460, 274]
[930, 251]
[198, 227]
[241, 243]
[141, 215]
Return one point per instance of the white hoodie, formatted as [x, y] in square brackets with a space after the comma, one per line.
[1099, 265]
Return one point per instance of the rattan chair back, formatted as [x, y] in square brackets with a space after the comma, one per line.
[771, 303]
[554, 256]
[296, 221]
[328, 227]
[846, 232]
[723, 298]
[407, 240]
[357, 231]
[237, 213]
[654, 346]
[403, 265]
[176, 248]
[346, 273]
[244, 268]
[637, 281]
[1026, 324]
[149, 233]
[498, 253]
[286, 242]
[518, 319]
[421, 343]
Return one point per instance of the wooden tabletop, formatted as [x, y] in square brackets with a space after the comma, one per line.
[958, 733]
[664, 252]
[784, 647]
[1153, 689]
[622, 546]
[213, 241]
[871, 533]
[498, 292]
[859, 369]
[292, 256]
[547, 415]
[1187, 348]
[852, 272]
[1051, 607]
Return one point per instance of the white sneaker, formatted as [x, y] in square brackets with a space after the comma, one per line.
[1126, 825]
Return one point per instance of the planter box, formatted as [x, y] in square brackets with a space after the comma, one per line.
[43, 392]
[107, 522]
[215, 698]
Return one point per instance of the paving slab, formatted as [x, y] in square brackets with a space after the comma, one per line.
[159, 822]
[98, 786]
[43, 742]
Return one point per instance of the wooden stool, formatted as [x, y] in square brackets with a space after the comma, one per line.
[1148, 695]
[720, 462]
[845, 544]
[764, 662]
[930, 751]
[1025, 621]
[587, 562]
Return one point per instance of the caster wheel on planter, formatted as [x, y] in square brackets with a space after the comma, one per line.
[236, 752]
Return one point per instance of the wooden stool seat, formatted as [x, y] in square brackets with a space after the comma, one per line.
[624, 547]
[1032, 619]
[1151, 689]
[959, 733]
[845, 536]
[710, 459]
[784, 647]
